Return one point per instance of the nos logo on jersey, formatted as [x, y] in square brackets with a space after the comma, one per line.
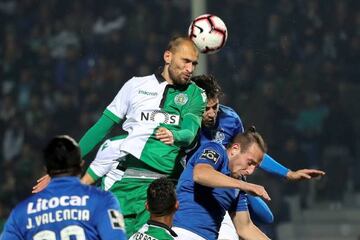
[158, 116]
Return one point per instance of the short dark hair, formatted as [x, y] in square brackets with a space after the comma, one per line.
[175, 42]
[62, 156]
[209, 84]
[161, 197]
[249, 137]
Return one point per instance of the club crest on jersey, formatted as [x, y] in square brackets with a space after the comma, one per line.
[159, 116]
[116, 219]
[210, 155]
[181, 99]
[219, 137]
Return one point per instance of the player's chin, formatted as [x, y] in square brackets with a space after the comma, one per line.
[209, 124]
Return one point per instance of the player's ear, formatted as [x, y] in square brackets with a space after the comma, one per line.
[176, 205]
[167, 57]
[146, 206]
[235, 148]
[82, 163]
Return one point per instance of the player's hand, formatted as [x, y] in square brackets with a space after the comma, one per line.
[256, 190]
[165, 135]
[41, 184]
[304, 174]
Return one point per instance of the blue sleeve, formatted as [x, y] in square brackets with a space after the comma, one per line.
[269, 165]
[239, 126]
[259, 210]
[11, 229]
[241, 204]
[109, 220]
[210, 153]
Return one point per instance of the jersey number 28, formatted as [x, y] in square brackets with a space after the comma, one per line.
[65, 234]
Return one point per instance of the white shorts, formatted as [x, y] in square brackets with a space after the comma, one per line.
[106, 162]
[227, 229]
[184, 234]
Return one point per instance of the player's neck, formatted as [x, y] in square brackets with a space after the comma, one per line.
[167, 219]
[165, 74]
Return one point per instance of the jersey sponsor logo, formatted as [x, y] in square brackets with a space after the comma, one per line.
[142, 236]
[54, 202]
[159, 116]
[143, 92]
[210, 155]
[105, 145]
[181, 99]
[116, 219]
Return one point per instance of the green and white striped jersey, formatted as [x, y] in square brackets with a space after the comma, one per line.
[154, 231]
[150, 102]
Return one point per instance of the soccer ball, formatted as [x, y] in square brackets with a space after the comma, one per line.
[208, 32]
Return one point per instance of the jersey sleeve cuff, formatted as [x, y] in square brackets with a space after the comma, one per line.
[111, 115]
[92, 174]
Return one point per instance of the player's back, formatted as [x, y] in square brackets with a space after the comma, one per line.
[66, 209]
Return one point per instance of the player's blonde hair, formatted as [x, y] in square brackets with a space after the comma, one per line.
[175, 42]
[249, 137]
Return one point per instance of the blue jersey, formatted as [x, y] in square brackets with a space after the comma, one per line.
[202, 209]
[228, 124]
[66, 209]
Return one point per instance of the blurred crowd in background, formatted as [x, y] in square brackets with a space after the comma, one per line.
[290, 67]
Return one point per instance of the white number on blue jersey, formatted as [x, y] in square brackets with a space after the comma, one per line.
[65, 234]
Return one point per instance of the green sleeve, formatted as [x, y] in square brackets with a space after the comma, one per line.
[92, 174]
[97, 132]
[191, 120]
[189, 129]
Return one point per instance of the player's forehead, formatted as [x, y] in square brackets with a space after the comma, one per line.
[186, 49]
[212, 102]
[254, 153]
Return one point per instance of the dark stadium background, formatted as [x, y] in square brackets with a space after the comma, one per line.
[291, 67]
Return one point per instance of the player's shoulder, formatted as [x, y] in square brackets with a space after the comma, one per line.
[195, 90]
[96, 192]
[140, 80]
[23, 205]
[228, 111]
[192, 86]
[214, 146]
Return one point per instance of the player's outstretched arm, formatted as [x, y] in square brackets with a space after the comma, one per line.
[270, 165]
[259, 209]
[304, 174]
[96, 133]
[206, 175]
[190, 124]
[87, 179]
[246, 228]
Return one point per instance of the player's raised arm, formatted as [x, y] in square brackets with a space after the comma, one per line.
[96, 133]
[206, 175]
[270, 165]
[245, 228]
[211, 157]
[304, 174]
